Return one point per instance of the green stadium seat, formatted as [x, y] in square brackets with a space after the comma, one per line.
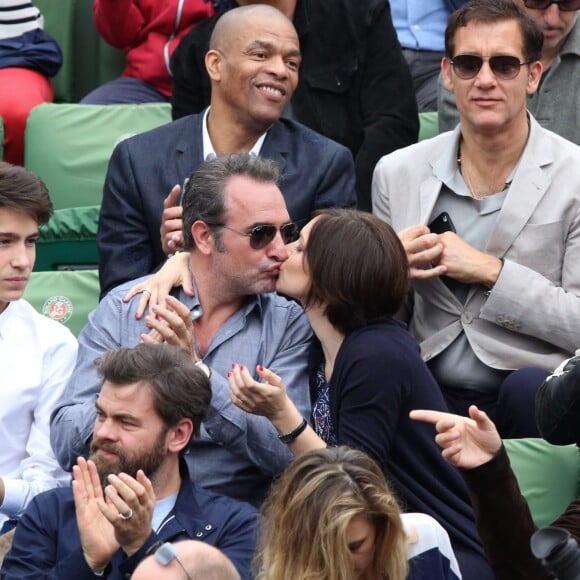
[69, 146]
[87, 60]
[548, 476]
[428, 125]
[66, 297]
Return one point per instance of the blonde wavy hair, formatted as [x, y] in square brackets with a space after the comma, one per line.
[306, 515]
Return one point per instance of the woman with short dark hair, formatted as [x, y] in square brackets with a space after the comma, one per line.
[350, 272]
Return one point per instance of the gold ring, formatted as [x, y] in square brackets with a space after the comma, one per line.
[126, 516]
[145, 290]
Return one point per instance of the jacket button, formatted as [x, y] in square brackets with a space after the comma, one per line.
[208, 527]
[466, 317]
[198, 534]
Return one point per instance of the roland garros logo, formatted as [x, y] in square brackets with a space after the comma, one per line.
[58, 308]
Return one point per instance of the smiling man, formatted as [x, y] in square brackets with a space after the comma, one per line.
[555, 104]
[253, 64]
[37, 355]
[500, 289]
[236, 226]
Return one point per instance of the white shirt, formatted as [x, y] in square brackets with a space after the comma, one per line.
[37, 356]
[209, 151]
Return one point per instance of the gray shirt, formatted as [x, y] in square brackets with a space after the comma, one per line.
[237, 453]
[555, 105]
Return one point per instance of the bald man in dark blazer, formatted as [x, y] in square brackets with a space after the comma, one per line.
[253, 64]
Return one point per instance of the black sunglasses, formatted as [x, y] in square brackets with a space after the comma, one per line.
[503, 66]
[261, 235]
[564, 5]
[165, 553]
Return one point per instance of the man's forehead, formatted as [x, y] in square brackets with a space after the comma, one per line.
[129, 397]
[17, 223]
[266, 28]
[246, 194]
[489, 38]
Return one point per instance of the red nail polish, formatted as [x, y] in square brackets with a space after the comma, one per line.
[261, 368]
[229, 375]
[234, 365]
[242, 367]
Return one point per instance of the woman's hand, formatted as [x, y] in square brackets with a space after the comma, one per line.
[175, 272]
[267, 398]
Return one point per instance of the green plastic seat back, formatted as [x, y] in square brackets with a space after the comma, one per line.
[67, 297]
[428, 125]
[59, 21]
[87, 60]
[69, 240]
[548, 475]
[69, 145]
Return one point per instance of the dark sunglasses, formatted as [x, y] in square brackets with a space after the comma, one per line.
[260, 236]
[165, 553]
[564, 5]
[503, 66]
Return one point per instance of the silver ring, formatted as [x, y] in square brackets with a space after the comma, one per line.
[127, 516]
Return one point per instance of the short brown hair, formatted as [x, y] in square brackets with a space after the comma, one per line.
[21, 190]
[489, 12]
[358, 268]
[204, 197]
[180, 389]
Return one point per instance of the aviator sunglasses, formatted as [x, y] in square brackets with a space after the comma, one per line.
[564, 5]
[503, 66]
[261, 235]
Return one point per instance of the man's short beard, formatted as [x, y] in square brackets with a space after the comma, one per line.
[149, 460]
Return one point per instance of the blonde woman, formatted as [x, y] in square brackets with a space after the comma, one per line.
[332, 516]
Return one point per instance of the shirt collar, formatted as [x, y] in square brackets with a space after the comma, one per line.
[252, 302]
[209, 151]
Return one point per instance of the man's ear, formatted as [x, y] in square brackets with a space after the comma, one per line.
[203, 236]
[534, 76]
[446, 73]
[179, 435]
[213, 62]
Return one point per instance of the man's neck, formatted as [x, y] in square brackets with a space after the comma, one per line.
[217, 305]
[549, 55]
[499, 149]
[227, 134]
[167, 480]
[3, 306]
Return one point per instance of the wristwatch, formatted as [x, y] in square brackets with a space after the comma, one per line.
[201, 365]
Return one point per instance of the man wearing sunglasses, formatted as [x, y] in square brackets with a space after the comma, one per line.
[253, 65]
[555, 104]
[236, 227]
[497, 288]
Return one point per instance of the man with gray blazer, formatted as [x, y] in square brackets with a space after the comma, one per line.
[253, 64]
[489, 215]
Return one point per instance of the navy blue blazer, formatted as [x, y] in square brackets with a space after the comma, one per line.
[47, 543]
[315, 173]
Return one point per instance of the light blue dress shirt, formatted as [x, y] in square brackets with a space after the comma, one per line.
[420, 24]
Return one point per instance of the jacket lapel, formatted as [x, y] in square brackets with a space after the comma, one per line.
[527, 189]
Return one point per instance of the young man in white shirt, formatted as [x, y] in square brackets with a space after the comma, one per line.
[37, 354]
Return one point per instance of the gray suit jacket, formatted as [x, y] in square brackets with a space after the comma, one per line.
[531, 317]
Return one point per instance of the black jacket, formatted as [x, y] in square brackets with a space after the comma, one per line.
[355, 86]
